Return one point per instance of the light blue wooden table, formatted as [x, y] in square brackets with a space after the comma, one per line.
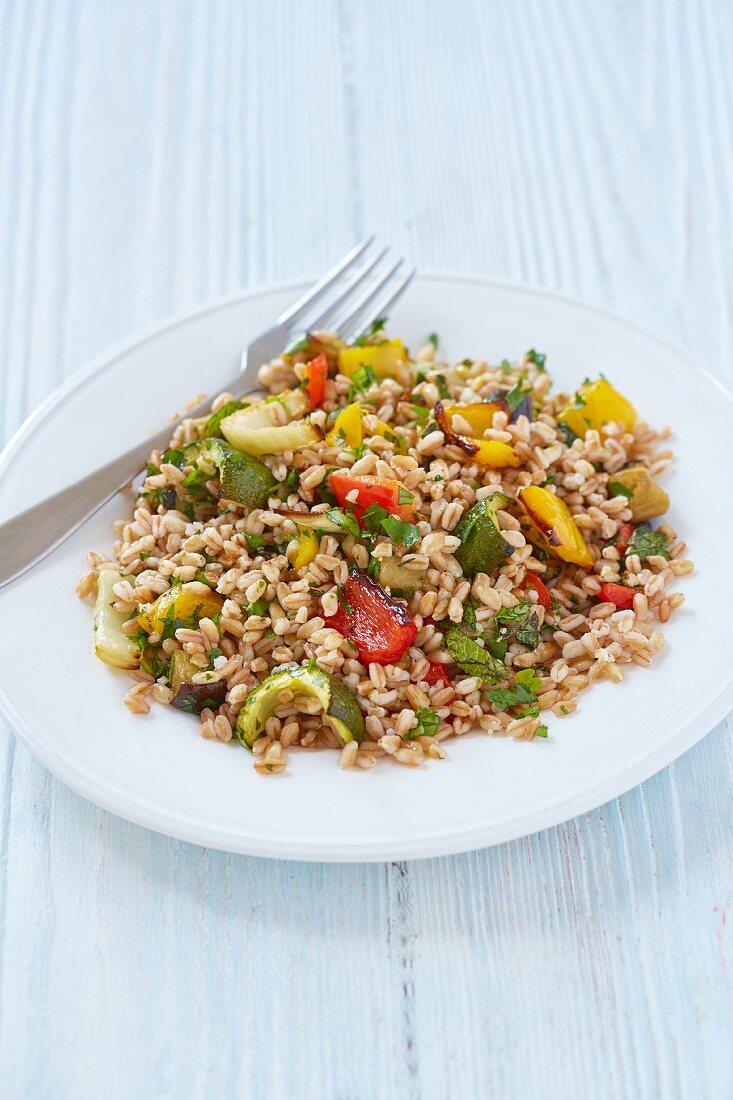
[156, 154]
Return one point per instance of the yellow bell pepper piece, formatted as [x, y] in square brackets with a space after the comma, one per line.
[480, 416]
[383, 358]
[347, 427]
[551, 516]
[494, 454]
[595, 404]
[188, 603]
[307, 550]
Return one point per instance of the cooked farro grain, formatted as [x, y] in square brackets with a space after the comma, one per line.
[433, 549]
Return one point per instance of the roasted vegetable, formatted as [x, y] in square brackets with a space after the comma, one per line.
[340, 708]
[183, 605]
[316, 375]
[535, 582]
[381, 628]
[347, 428]
[111, 644]
[486, 452]
[270, 441]
[242, 478]
[307, 549]
[388, 359]
[483, 547]
[386, 492]
[306, 346]
[315, 521]
[398, 577]
[620, 595]
[437, 674]
[554, 523]
[517, 401]
[647, 499]
[189, 696]
[271, 412]
[595, 404]
[480, 416]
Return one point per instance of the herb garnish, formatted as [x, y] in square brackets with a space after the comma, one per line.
[472, 658]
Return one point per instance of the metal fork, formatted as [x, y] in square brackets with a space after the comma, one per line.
[362, 286]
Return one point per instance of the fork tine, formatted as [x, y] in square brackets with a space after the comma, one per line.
[376, 304]
[333, 308]
[298, 308]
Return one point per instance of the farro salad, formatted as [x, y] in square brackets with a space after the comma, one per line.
[390, 551]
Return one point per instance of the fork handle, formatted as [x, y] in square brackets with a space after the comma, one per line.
[28, 537]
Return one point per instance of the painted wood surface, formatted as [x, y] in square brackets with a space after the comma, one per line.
[156, 154]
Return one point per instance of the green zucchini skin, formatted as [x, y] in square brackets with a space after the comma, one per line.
[483, 547]
[338, 704]
[244, 479]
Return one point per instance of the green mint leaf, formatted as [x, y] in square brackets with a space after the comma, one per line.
[472, 658]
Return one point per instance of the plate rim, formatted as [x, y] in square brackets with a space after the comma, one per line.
[462, 839]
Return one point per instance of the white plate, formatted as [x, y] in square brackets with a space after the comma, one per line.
[158, 772]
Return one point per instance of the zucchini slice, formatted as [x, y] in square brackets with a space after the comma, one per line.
[340, 708]
[314, 521]
[111, 644]
[269, 441]
[483, 547]
[243, 479]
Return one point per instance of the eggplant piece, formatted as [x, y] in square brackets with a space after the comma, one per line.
[191, 697]
[522, 408]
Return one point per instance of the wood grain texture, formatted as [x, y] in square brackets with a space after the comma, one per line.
[156, 154]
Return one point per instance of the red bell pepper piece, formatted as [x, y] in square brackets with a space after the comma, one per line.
[625, 532]
[437, 674]
[381, 628]
[316, 375]
[620, 595]
[544, 597]
[372, 490]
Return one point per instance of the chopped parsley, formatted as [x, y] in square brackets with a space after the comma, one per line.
[428, 723]
[292, 481]
[505, 366]
[374, 568]
[214, 652]
[362, 380]
[259, 608]
[376, 328]
[434, 339]
[345, 520]
[618, 489]
[400, 531]
[404, 496]
[254, 542]
[537, 357]
[516, 395]
[419, 411]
